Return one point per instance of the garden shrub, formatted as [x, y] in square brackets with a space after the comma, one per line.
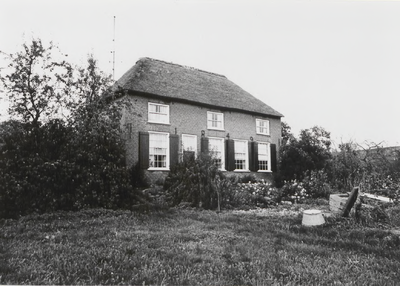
[55, 167]
[195, 181]
[199, 183]
[293, 191]
[316, 184]
[247, 179]
[251, 194]
[313, 185]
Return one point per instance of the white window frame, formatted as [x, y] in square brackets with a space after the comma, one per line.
[193, 147]
[210, 121]
[264, 156]
[246, 154]
[212, 152]
[166, 168]
[260, 126]
[163, 116]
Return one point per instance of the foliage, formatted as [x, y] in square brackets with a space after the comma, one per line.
[308, 153]
[196, 181]
[54, 173]
[287, 136]
[368, 167]
[293, 191]
[345, 167]
[37, 85]
[317, 184]
[56, 163]
[252, 194]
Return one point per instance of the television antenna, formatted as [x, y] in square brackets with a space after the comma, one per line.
[113, 53]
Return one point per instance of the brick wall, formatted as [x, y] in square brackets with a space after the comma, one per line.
[191, 119]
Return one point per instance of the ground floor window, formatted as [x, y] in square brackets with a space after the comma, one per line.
[189, 146]
[264, 161]
[158, 150]
[241, 155]
[217, 150]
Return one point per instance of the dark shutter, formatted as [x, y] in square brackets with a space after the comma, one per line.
[144, 150]
[230, 154]
[204, 145]
[253, 156]
[274, 166]
[173, 149]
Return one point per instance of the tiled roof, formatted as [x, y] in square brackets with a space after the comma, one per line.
[183, 83]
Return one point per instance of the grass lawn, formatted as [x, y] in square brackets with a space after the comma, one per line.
[194, 247]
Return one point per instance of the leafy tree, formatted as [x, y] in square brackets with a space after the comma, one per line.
[50, 164]
[368, 166]
[315, 143]
[310, 152]
[345, 167]
[287, 135]
[98, 147]
[37, 85]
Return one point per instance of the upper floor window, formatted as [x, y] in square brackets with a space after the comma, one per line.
[262, 126]
[217, 150]
[158, 113]
[158, 150]
[264, 160]
[241, 155]
[215, 120]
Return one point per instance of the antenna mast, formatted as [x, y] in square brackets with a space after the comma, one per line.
[113, 52]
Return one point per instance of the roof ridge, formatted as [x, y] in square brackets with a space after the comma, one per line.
[183, 66]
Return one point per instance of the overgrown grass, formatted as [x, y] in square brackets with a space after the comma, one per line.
[192, 247]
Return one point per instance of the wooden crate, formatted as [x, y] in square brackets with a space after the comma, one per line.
[337, 202]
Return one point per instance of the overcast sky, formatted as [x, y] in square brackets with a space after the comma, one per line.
[335, 64]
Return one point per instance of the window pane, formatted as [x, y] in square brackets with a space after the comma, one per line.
[262, 126]
[189, 142]
[241, 150]
[158, 113]
[263, 156]
[158, 150]
[215, 120]
[216, 147]
[263, 165]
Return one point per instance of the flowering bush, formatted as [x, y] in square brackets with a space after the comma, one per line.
[293, 191]
[256, 194]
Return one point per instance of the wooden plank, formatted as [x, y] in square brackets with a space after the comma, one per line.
[350, 202]
[379, 198]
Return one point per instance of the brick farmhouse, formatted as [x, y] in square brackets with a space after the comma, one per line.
[176, 111]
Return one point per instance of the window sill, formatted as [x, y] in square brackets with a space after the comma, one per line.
[264, 171]
[157, 169]
[264, 134]
[154, 122]
[216, 129]
[242, 171]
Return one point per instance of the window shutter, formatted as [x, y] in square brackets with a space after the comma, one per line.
[230, 155]
[173, 149]
[253, 156]
[274, 167]
[144, 150]
[204, 145]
